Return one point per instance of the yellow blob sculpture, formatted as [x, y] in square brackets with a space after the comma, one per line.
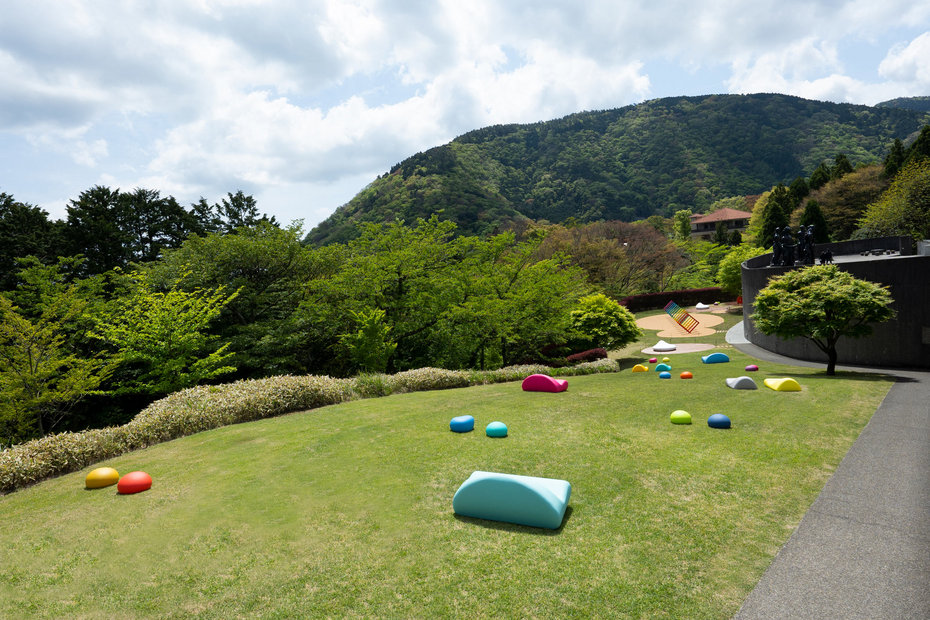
[787, 384]
[640, 368]
[101, 477]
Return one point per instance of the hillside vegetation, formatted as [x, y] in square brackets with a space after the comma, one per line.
[624, 164]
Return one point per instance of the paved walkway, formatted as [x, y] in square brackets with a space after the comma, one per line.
[863, 548]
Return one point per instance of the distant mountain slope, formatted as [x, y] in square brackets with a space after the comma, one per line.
[626, 164]
[918, 104]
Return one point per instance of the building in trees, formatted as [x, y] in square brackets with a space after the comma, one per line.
[704, 226]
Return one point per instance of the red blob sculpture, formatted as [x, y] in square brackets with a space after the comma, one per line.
[134, 482]
[544, 383]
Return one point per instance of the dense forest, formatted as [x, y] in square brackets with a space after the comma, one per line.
[134, 296]
[654, 158]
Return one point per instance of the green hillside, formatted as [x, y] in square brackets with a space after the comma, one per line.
[624, 164]
[919, 104]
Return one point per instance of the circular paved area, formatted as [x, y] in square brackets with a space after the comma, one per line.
[670, 329]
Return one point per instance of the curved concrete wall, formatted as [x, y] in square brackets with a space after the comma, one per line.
[903, 341]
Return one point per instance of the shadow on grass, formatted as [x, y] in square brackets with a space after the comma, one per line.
[513, 527]
[804, 371]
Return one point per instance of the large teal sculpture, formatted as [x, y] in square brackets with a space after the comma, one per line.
[525, 500]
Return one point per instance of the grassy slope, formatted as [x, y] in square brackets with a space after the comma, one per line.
[346, 510]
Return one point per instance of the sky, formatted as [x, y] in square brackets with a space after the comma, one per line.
[302, 103]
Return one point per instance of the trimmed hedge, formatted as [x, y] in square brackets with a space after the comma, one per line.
[211, 406]
[687, 297]
[587, 356]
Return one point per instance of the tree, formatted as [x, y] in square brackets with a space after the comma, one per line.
[41, 377]
[904, 208]
[450, 301]
[604, 322]
[819, 177]
[162, 336]
[844, 201]
[733, 202]
[241, 211]
[270, 268]
[841, 166]
[94, 229]
[151, 223]
[754, 230]
[730, 275]
[822, 304]
[774, 215]
[621, 258]
[814, 216]
[720, 234]
[683, 224]
[370, 347]
[798, 191]
[112, 228]
[919, 148]
[894, 159]
[24, 231]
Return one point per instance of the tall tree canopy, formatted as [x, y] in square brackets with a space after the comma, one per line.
[904, 209]
[822, 304]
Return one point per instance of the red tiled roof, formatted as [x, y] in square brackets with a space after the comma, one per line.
[723, 215]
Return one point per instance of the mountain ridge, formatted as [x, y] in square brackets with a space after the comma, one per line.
[626, 163]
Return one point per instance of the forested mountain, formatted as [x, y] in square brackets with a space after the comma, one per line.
[919, 104]
[624, 164]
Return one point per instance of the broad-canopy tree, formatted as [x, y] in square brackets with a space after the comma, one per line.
[604, 322]
[43, 372]
[163, 335]
[823, 304]
[683, 224]
[620, 258]
[730, 275]
[270, 268]
[904, 209]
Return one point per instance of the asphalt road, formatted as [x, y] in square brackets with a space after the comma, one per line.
[863, 548]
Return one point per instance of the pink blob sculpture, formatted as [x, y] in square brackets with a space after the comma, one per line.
[653, 360]
[544, 383]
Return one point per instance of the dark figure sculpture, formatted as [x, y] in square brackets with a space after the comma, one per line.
[810, 244]
[805, 246]
[787, 248]
[776, 247]
[826, 257]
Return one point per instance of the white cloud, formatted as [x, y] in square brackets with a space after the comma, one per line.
[909, 64]
[207, 96]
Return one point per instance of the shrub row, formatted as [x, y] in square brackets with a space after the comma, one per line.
[587, 356]
[687, 297]
[205, 407]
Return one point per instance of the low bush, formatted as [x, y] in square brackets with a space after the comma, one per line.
[211, 406]
[587, 356]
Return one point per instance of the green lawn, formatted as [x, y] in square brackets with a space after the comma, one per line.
[347, 510]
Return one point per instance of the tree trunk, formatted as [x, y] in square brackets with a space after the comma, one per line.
[831, 360]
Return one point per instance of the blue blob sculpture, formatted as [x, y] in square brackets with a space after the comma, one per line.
[665, 375]
[715, 358]
[718, 420]
[524, 500]
[462, 423]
